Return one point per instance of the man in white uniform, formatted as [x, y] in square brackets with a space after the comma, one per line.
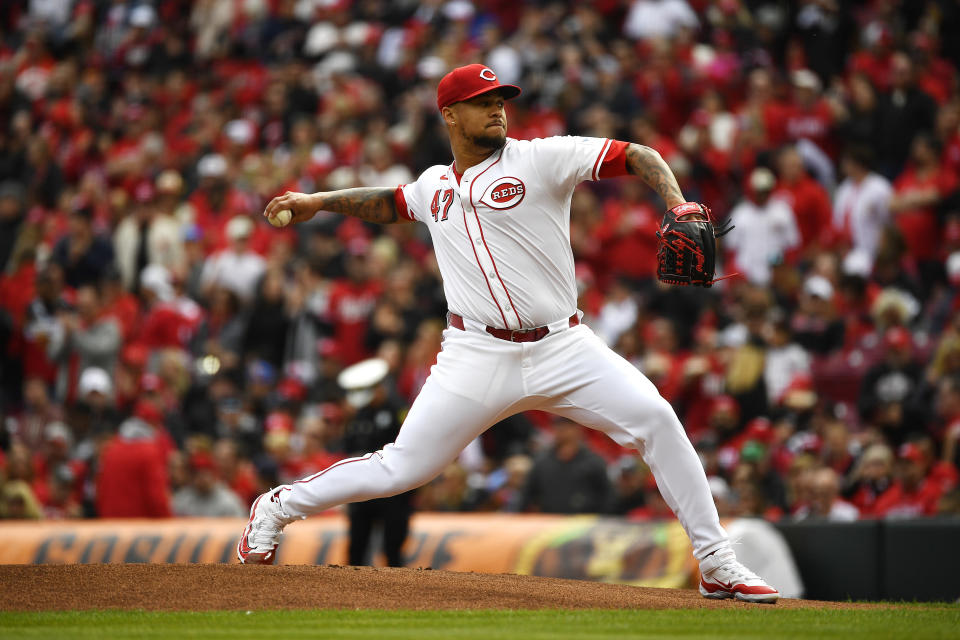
[500, 217]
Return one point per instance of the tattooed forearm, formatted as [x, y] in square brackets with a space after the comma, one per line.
[650, 167]
[370, 205]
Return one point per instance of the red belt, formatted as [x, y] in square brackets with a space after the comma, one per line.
[513, 335]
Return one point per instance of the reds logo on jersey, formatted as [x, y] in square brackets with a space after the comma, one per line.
[504, 193]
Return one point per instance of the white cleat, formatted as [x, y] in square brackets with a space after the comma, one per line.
[722, 576]
[261, 537]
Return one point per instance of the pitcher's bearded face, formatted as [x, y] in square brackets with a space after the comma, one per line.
[483, 120]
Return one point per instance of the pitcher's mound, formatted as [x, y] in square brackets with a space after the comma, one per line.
[202, 587]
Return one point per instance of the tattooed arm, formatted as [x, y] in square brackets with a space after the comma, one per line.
[367, 204]
[650, 167]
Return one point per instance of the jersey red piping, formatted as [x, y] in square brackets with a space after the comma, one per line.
[603, 153]
[482, 238]
[400, 202]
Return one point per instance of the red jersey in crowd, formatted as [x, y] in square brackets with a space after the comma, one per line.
[351, 304]
[813, 124]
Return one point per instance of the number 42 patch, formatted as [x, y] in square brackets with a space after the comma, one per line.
[442, 198]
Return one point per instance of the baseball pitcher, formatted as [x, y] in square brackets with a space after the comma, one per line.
[499, 216]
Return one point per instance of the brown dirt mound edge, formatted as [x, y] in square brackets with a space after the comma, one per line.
[195, 587]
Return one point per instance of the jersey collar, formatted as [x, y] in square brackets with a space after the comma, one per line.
[477, 168]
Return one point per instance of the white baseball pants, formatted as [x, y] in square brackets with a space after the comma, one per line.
[479, 380]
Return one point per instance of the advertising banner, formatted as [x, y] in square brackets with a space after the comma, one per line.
[581, 547]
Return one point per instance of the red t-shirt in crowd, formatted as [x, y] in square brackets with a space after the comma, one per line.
[628, 236]
[898, 502]
[164, 326]
[132, 482]
[811, 207]
[919, 226]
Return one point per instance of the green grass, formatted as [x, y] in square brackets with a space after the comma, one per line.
[913, 621]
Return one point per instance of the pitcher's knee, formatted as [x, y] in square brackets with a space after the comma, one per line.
[403, 475]
[660, 415]
[398, 483]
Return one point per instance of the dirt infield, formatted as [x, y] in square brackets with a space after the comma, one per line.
[208, 586]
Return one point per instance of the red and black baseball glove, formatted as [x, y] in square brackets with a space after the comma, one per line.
[687, 245]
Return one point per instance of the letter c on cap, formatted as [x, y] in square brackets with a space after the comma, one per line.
[487, 74]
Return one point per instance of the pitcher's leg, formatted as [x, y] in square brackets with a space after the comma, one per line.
[607, 393]
[438, 427]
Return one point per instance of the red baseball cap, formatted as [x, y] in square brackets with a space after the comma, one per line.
[468, 82]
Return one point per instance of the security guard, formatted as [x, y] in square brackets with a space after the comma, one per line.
[375, 423]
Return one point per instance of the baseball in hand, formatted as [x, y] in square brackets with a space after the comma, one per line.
[281, 218]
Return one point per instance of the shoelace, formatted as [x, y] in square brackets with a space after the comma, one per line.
[738, 570]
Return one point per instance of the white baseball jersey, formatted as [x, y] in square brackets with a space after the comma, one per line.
[501, 233]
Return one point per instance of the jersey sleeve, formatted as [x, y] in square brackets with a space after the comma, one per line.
[570, 160]
[401, 199]
[410, 199]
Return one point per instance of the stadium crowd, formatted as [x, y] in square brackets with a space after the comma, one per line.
[164, 351]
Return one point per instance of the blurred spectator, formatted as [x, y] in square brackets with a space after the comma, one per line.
[84, 339]
[618, 313]
[816, 325]
[235, 471]
[948, 409]
[206, 495]
[888, 388]
[94, 415]
[509, 496]
[41, 324]
[236, 268]
[913, 492]
[149, 234]
[451, 491]
[39, 410]
[169, 320]
[351, 301]
[265, 336]
[825, 502]
[785, 359]
[918, 191]
[871, 478]
[649, 19]
[132, 476]
[904, 112]
[631, 482]
[568, 477]
[861, 204]
[765, 230]
[83, 254]
[12, 197]
[805, 196]
[58, 479]
[17, 502]
[810, 116]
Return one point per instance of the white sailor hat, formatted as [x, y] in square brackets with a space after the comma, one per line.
[359, 380]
